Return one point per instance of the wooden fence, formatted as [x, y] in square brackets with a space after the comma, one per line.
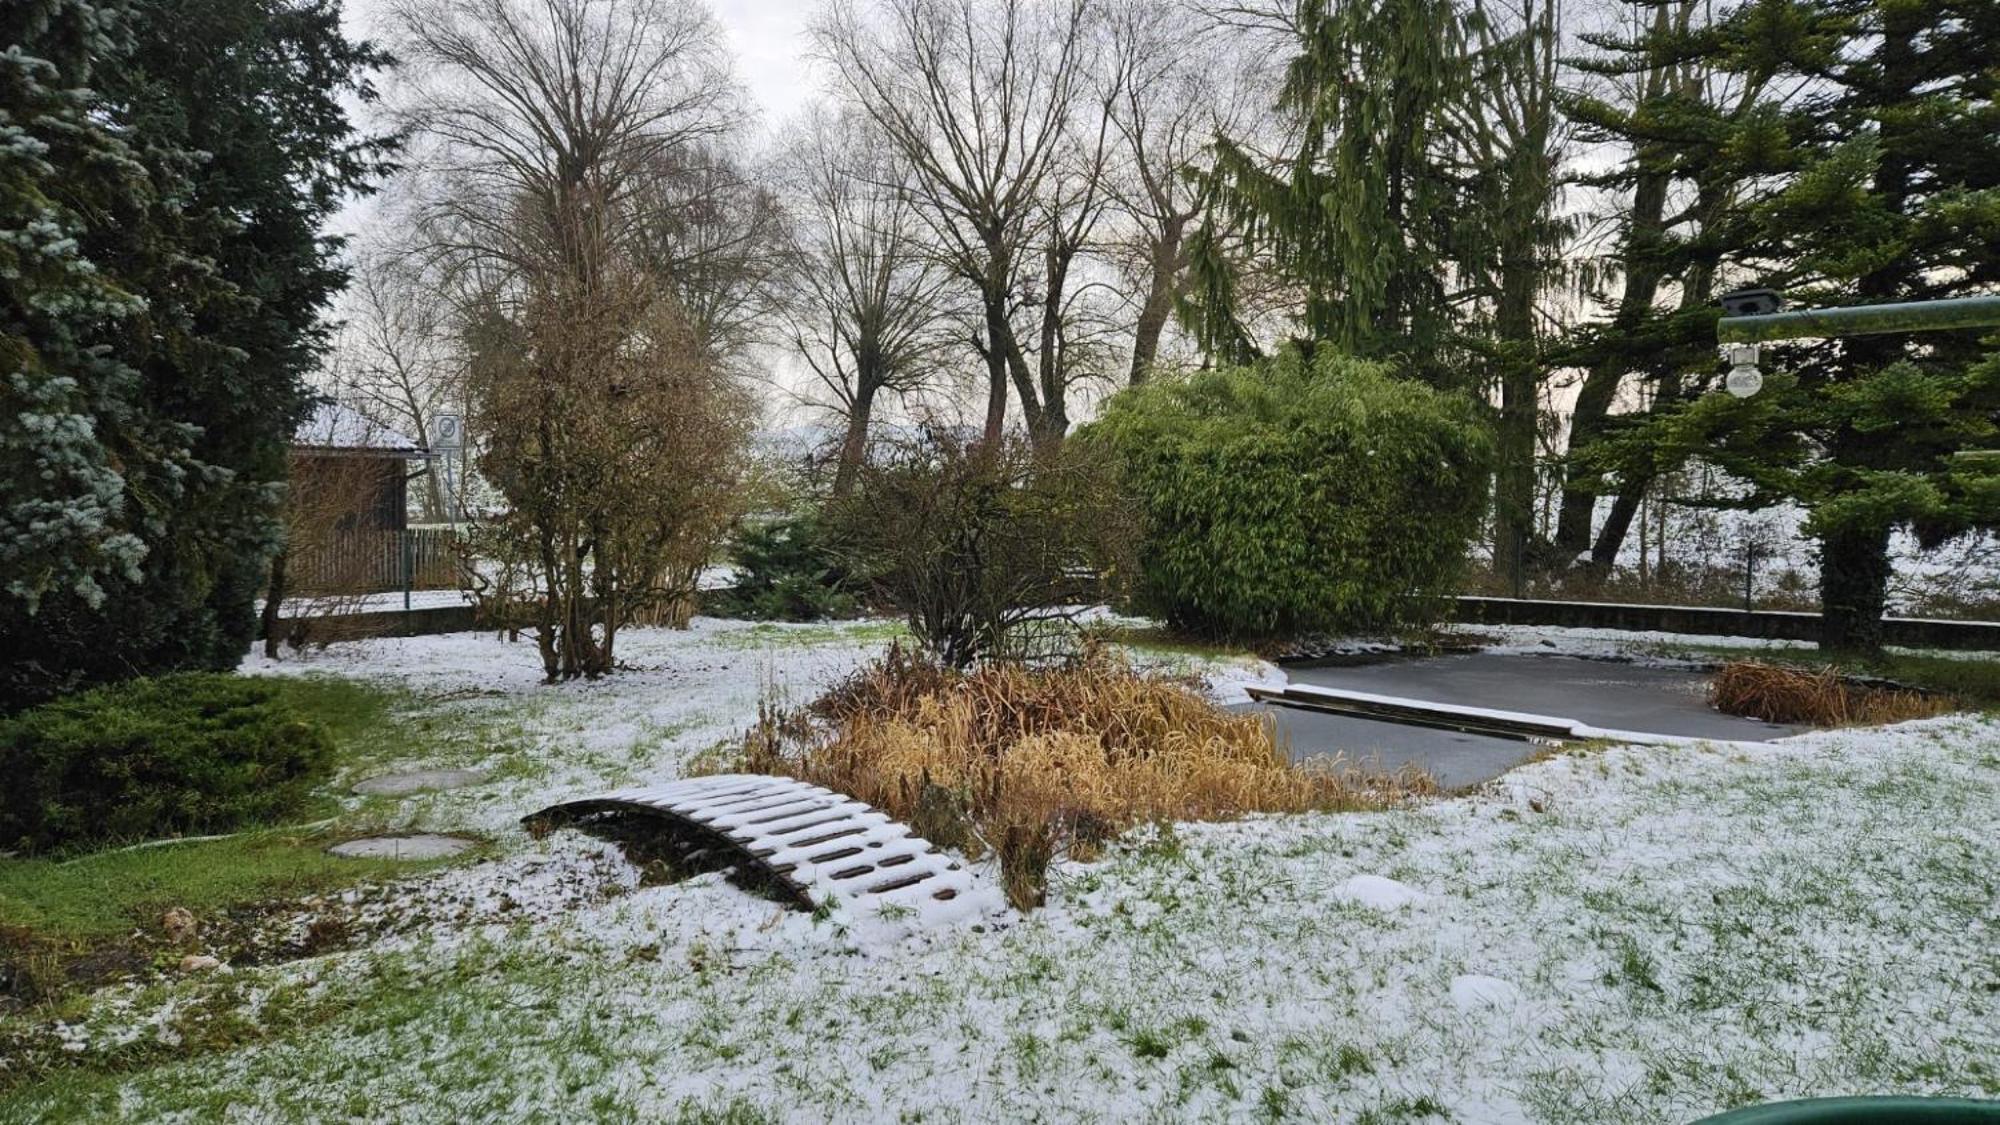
[374, 562]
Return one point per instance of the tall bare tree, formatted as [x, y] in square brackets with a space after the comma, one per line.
[397, 358]
[538, 119]
[713, 237]
[610, 423]
[861, 295]
[1175, 84]
[980, 98]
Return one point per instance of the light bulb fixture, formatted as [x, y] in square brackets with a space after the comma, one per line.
[1744, 379]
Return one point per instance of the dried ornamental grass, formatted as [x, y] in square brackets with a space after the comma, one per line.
[1820, 698]
[1011, 760]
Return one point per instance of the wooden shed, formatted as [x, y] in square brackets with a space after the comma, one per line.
[347, 522]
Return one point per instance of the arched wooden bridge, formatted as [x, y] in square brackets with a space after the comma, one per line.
[809, 842]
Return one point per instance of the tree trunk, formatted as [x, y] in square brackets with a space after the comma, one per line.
[1520, 371]
[1854, 567]
[1601, 382]
[1853, 589]
[274, 597]
[1049, 430]
[1166, 267]
[1697, 290]
[1617, 523]
[854, 447]
[1514, 481]
[1004, 362]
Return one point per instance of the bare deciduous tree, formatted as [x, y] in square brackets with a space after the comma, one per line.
[980, 99]
[397, 359]
[712, 238]
[610, 423]
[1175, 84]
[861, 295]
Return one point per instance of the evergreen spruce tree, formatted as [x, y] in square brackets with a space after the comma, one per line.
[1360, 217]
[180, 156]
[1703, 135]
[86, 472]
[1897, 199]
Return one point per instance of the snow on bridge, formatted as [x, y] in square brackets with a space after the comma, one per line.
[814, 845]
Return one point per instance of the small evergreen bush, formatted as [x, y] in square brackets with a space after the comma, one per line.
[786, 571]
[1298, 496]
[187, 754]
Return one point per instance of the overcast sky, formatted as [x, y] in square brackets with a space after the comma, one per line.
[767, 38]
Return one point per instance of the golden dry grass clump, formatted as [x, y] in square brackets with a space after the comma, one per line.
[1007, 759]
[1821, 698]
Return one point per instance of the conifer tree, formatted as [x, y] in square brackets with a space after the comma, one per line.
[1359, 218]
[1897, 198]
[181, 157]
[1703, 135]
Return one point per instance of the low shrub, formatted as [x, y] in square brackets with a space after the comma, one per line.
[1029, 764]
[786, 571]
[1298, 496]
[969, 541]
[1820, 697]
[183, 754]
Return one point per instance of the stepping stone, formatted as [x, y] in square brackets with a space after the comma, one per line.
[417, 781]
[420, 846]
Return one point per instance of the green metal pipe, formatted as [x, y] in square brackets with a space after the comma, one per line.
[1861, 320]
[1864, 1111]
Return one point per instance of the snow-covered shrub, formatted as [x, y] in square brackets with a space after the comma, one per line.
[181, 754]
[1297, 495]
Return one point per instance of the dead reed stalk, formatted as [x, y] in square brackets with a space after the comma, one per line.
[1033, 763]
[1815, 697]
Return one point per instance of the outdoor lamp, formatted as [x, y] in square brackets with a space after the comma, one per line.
[1744, 379]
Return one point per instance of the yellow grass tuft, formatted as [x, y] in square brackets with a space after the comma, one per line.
[1069, 756]
[1821, 698]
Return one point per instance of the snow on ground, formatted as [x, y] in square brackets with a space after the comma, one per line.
[1639, 934]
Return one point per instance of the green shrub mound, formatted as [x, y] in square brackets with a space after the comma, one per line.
[184, 754]
[786, 571]
[1292, 496]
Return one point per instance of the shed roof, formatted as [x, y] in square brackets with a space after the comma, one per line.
[333, 426]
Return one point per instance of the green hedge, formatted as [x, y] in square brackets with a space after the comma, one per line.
[1295, 496]
[182, 754]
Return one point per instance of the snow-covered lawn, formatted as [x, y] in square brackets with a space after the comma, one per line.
[1612, 935]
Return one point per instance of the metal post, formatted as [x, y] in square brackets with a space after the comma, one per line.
[1861, 320]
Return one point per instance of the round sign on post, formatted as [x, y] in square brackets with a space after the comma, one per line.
[448, 432]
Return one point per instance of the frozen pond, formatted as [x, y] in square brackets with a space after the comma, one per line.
[1633, 697]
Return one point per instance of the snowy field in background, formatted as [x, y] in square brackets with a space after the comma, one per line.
[1621, 935]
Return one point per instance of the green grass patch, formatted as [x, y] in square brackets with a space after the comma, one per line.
[109, 893]
[1159, 640]
[873, 631]
[69, 907]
